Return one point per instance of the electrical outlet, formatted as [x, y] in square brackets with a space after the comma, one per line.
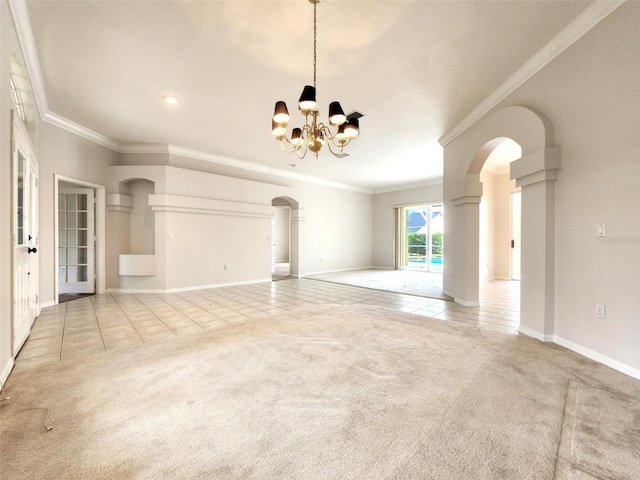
[599, 311]
[226, 267]
[601, 230]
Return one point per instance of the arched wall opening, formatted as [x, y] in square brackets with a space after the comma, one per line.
[499, 235]
[287, 236]
[535, 173]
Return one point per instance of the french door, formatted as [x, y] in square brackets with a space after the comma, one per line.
[24, 234]
[76, 240]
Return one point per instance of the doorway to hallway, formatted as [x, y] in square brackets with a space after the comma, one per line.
[79, 242]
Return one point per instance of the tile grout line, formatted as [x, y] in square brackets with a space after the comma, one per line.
[128, 319]
[93, 307]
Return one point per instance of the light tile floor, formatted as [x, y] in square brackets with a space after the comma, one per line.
[74, 330]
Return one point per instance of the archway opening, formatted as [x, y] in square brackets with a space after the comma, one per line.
[536, 173]
[499, 234]
[284, 239]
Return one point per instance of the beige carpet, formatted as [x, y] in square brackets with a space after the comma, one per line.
[409, 282]
[334, 392]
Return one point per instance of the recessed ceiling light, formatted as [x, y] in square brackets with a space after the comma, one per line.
[170, 99]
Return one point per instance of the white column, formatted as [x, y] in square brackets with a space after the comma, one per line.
[536, 173]
[298, 266]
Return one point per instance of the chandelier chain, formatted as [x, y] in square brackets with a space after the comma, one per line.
[314, 134]
[315, 35]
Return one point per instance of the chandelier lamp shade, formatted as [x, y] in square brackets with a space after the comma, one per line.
[314, 134]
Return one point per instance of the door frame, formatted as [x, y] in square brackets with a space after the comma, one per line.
[90, 283]
[100, 231]
[516, 236]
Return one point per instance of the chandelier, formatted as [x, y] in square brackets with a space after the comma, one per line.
[314, 135]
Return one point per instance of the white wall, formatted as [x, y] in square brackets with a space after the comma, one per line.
[63, 153]
[383, 229]
[590, 93]
[338, 229]
[228, 222]
[487, 235]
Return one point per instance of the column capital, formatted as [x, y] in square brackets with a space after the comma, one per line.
[539, 166]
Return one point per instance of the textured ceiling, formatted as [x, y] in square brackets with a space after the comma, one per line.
[414, 68]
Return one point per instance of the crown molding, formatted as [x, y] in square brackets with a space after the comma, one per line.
[583, 23]
[254, 167]
[84, 132]
[22, 23]
[145, 148]
[587, 19]
[408, 186]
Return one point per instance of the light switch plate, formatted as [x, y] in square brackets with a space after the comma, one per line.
[601, 230]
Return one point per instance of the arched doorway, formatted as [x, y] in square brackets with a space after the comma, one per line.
[287, 236]
[499, 235]
[535, 173]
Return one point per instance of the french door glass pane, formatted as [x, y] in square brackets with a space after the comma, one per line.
[82, 238]
[82, 202]
[71, 220]
[82, 256]
[20, 200]
[72, 274]
[72, 256]
[72, 238]
[82, 274]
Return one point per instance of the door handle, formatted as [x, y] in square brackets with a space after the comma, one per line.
[32, 250]
[513, 244]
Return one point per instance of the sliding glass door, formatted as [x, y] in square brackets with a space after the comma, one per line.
[420, 236]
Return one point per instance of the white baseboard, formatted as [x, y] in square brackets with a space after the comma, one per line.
[529, 332]
[462, 302]
[584, 351]
[5, 372]
[50, 303]
[185, 289]
[598, 357]
[322, 272]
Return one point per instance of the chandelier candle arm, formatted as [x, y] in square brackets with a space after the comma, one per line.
[313, 135]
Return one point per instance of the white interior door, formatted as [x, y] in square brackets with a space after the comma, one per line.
[24, 234]
[516, 244]
[76, 240]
